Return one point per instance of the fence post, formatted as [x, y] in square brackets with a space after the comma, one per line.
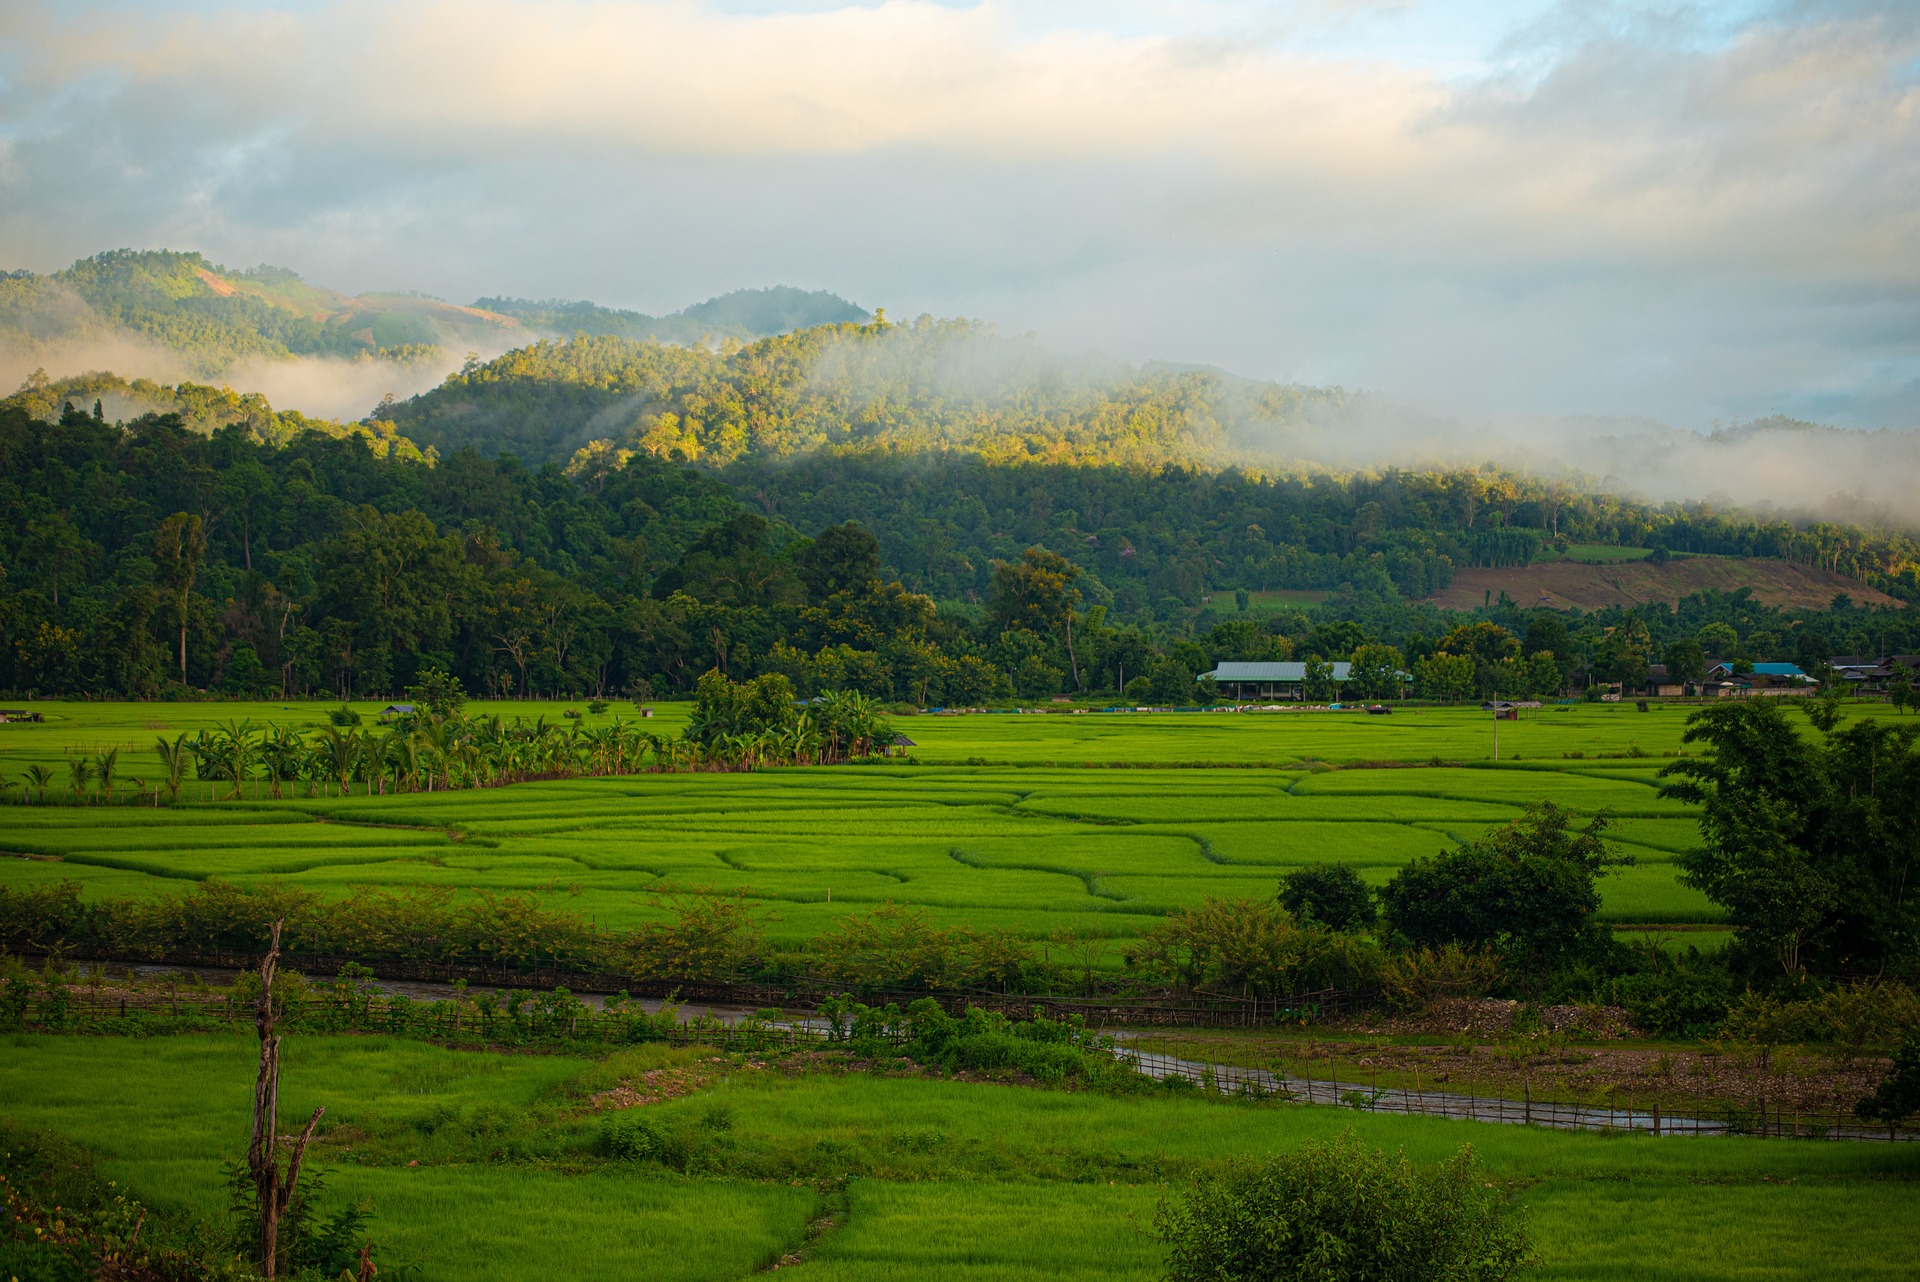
[1527, 1087]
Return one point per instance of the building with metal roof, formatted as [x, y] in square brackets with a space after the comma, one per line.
[1269, 680]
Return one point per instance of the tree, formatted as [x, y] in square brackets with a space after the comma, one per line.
[1037, 593]
[1487, 642]
[1900, 691]
[1686, 661]
[1330, 894]
[1317, 684]
[1375, 673]
[438, 694]
[1443, 677]
[1529, 889]
[841, 558]
[1341, 1212]
[1621, 655]
[1718, 640]
[179, 546]
[53, 544]
[1808, 846]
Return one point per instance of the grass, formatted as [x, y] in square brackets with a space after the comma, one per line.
[500, 1191]
[941, 1179]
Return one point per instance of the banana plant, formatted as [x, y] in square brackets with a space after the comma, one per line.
[79, 774]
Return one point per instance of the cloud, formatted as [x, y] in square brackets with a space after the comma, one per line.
[1670, 212]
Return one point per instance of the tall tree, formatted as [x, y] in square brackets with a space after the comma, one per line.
[179, 546]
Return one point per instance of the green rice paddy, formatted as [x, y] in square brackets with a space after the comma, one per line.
[933, 1179]
[1095, 823]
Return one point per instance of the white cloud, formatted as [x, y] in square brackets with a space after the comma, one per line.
[1626, 213]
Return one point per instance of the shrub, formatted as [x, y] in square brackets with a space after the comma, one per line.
[1676, 1000]
[1252, 949]
[1329, 894]
[1417, 978]
[625, 1137]
[1338, 1211]
[1898, 1095]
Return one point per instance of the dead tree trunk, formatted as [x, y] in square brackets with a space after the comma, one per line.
[273, 1190]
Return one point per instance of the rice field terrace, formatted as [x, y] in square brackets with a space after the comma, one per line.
[1050, 835]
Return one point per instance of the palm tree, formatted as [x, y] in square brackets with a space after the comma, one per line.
[103, 768]
[40, 778]
[334, 752]
[173, 759]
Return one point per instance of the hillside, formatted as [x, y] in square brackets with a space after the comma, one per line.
[1568, 584]
[934, 386]
[212, 317]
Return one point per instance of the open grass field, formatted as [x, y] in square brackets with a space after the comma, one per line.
[1590, 582]
[1046, 838]
[930, 1179]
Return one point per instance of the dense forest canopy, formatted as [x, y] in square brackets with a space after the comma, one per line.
[144, 558]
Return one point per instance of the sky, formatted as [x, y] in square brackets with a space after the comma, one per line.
[1696, 213]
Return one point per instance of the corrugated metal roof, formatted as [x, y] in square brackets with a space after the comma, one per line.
[1271, 672]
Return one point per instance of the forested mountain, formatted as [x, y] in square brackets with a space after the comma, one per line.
[744, 313]
[596, 512]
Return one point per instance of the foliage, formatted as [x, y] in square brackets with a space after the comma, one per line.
[1413, 979]
[1340, 1210]
[61, 1223]
[1810, 846]
[1529, 888]
[1251, 949]
[438, 694]
[1328, 895]
[1897, 1097]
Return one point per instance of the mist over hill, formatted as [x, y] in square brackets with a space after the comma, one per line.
[762, 375]
[170, 316]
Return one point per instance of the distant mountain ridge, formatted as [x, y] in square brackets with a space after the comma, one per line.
[743, 313]
[213, 318]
